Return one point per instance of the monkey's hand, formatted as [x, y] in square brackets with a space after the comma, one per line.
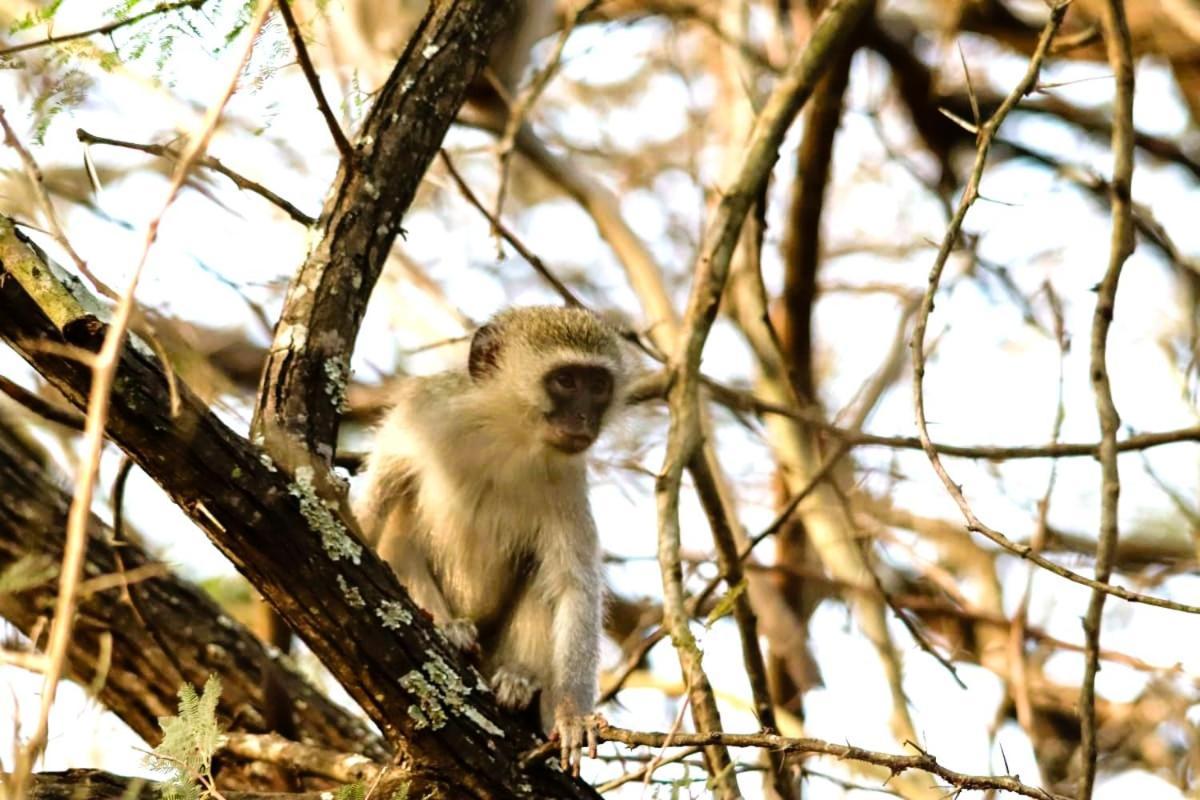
[573, 730]
[514, 688]
[462, 634]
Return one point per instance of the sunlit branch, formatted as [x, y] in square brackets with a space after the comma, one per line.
[971, 192]
[712, 268]
[897, 764]
[207, 161]
[1120, 58]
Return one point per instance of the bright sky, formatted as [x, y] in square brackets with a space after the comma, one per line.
[993, 379]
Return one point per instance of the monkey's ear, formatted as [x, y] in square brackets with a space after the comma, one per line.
[485, 352]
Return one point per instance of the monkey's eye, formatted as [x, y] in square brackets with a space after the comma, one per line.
[565, 381]
[601, 384]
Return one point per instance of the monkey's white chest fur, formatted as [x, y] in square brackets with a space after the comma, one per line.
[482, 522]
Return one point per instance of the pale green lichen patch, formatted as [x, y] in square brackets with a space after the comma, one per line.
[430, 711]
[335, 538]
[471, 713]
[454, 693]
[418, 717]
[393, 614]
[445, 678]
[351, 593]
[335, 386]
[441, 692]
[37, 277]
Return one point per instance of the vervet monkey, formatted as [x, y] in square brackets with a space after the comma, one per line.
[477, 496]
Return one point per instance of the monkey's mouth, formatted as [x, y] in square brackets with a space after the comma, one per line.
[570, 443]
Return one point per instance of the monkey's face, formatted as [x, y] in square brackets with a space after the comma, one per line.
[580, 394]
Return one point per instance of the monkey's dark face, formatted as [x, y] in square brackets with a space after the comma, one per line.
[579, 395]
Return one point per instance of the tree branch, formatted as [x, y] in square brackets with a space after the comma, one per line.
[1120, 58]
[161, 8]
[165, 630]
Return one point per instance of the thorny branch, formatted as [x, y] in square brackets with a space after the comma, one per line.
[896, 764]
[161, 8]
[987, 134]
[170, 152]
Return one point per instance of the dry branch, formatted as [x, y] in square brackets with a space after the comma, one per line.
[897, 764]
[1120, 58]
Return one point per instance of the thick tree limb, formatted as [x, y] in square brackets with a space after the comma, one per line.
[164, 630]
[95, 784]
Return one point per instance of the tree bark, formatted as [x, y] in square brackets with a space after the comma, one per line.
[164, 630]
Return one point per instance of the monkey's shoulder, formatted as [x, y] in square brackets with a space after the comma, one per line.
[419, 390]
[422, 407]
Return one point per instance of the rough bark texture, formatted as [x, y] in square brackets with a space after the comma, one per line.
[290, 543]
[164, 630]
[94, 784]
[308, 365]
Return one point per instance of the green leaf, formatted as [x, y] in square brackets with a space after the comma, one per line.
[189, 742]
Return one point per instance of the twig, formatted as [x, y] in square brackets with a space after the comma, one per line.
[729, 560]
[53, 412]
[1120, 58]
[974, 524]
[655, 762]
[675, 725]
[241, 181]
[310, 74]
[565, 293]
[1020, 624]
[923, 761]
[746, 401]
[34, 172]
[525, 100]
[161, 8]
[103, 372]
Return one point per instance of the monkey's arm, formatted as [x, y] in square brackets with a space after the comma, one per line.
[576, 634]
[390, 523]
[388, 484]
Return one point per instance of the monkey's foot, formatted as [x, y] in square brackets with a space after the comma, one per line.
[514, 688]
[462, 634]
[573, 731]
